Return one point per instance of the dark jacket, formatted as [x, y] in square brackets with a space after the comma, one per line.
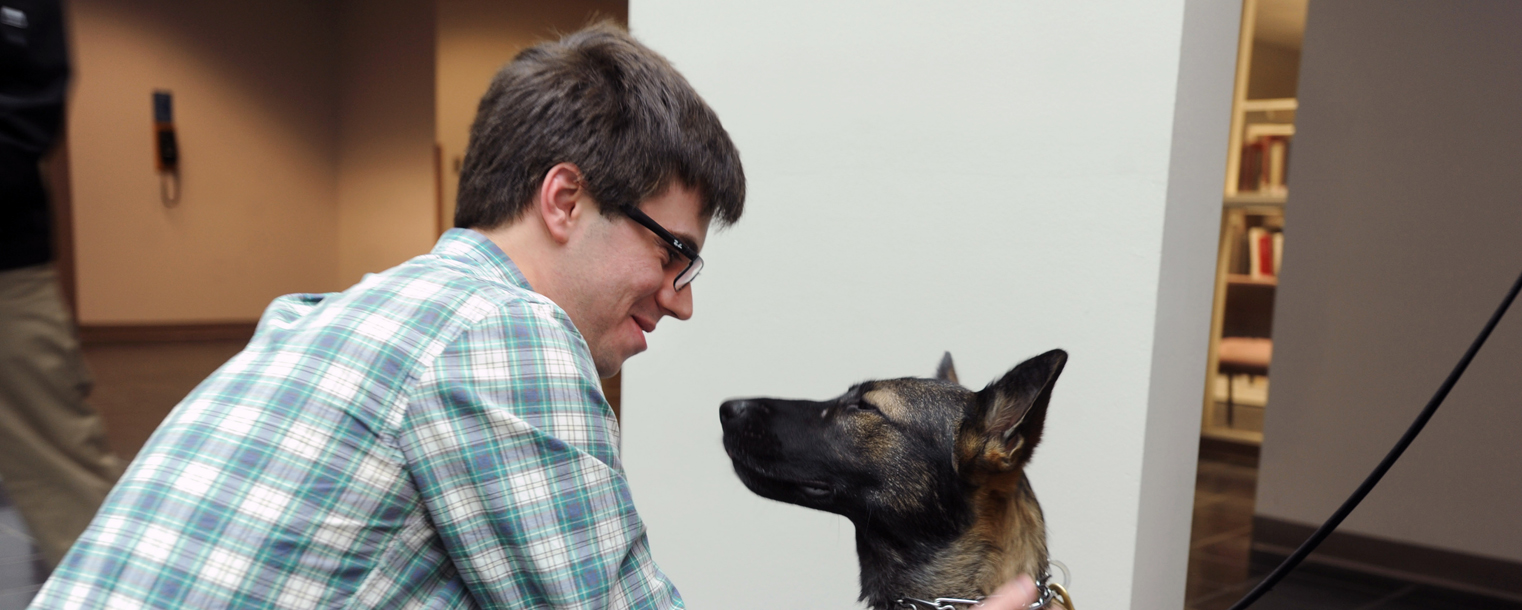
[34, 78]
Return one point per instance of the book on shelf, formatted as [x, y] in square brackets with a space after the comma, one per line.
[1265, 165]
[1264, 252]
[1278, 251]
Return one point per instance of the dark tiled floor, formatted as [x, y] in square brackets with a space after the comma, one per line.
[1222, 567]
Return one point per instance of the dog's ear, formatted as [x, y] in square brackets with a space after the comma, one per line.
[946, 371]
[1014, 409]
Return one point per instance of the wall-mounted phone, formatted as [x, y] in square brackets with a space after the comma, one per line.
[166, 147]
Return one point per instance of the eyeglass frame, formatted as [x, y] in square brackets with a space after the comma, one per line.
[675, 242]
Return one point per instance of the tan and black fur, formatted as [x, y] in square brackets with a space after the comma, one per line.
[931, 474]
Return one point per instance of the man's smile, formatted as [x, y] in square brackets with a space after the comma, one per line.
[645, 324]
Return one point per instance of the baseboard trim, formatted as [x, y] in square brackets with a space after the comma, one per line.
[1416, 563]
[97, 334]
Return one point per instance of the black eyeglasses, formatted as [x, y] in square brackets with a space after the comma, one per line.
[694, 264]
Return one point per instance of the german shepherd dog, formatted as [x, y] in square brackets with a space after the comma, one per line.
[930, 473]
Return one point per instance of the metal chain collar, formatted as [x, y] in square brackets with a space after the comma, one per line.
[1045, 589]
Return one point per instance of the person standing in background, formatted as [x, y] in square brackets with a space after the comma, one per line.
[53, 455]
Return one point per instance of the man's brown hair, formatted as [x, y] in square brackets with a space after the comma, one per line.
[617, 110]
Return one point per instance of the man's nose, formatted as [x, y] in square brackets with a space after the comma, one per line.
[677, 303]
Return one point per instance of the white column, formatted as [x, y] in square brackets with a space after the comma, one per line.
[991, 178]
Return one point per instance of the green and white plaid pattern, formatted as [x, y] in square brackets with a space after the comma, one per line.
[434, 437]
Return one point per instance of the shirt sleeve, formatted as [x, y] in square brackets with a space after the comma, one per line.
[514, 451]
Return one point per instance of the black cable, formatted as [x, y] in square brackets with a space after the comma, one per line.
[1311, 543]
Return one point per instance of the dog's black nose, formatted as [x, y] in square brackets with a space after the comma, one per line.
[735, 409]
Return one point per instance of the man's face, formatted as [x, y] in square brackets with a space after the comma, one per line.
[623, 275]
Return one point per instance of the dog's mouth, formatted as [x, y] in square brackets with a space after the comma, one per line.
[768, 482]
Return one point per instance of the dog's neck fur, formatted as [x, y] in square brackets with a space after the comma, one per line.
[998, 535]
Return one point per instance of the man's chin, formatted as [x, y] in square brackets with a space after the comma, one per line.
[613, 349]
[609, 371]
[607, 368]
[610, 364]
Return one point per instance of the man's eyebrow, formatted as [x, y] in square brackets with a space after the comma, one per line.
[687, 239]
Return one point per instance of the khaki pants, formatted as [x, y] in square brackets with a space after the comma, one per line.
[53, 455]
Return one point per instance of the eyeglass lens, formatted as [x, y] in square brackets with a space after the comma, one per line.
[688, 274]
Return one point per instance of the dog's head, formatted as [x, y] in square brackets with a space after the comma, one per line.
[894, 455]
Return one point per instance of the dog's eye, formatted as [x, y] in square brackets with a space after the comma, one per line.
[862, 406]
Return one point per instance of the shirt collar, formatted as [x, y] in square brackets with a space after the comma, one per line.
[468, 246]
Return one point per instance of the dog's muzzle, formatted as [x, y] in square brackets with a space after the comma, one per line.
[736, 410]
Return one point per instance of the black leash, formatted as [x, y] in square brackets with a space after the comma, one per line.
[1310, 544]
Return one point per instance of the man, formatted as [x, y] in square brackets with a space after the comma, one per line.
[436, 435]
[53, 455]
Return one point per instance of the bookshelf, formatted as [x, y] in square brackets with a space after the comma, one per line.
[1254, 196]
[1246, 285]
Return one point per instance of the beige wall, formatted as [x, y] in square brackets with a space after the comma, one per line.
[307, 135]
[306, 132]
[254, 107]
[1402, 238]
[475, 37]
[386, 193]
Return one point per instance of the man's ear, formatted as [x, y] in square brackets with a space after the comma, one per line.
[558, 199]
[1014, 409]
[946, 371]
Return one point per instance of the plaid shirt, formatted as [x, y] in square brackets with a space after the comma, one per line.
[433, 437]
